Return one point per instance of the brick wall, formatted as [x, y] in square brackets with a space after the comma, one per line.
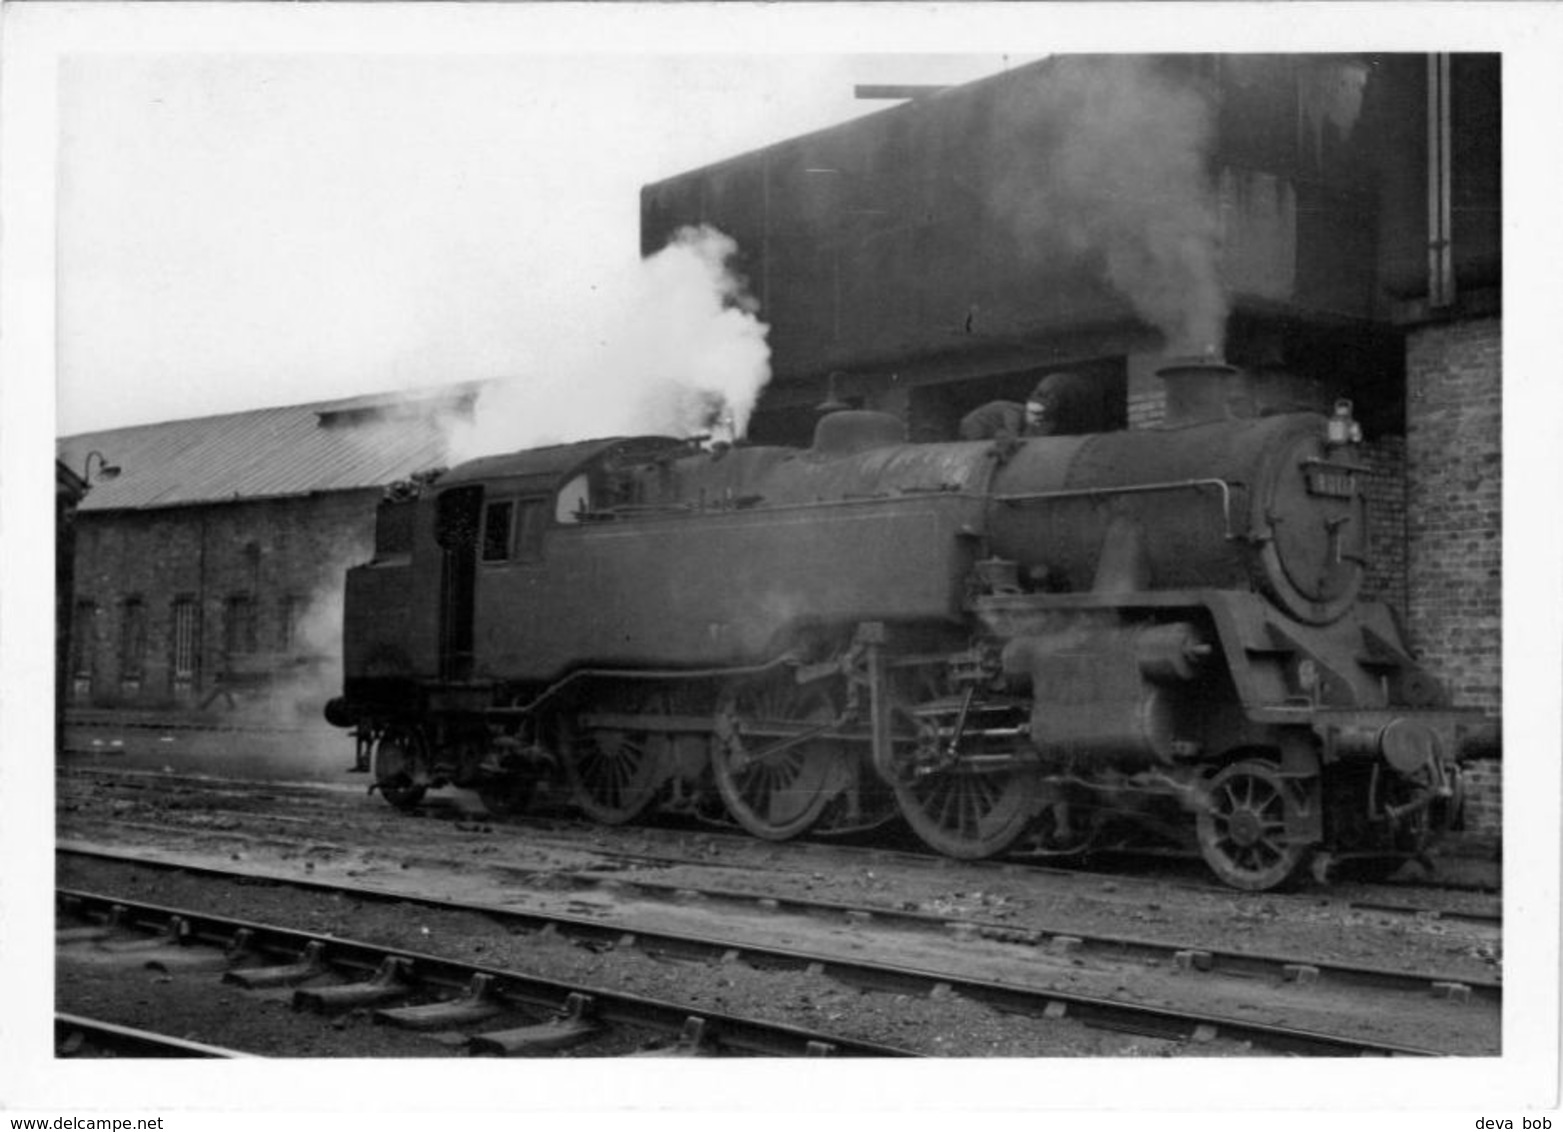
[1454, 402]
[1484, 796]
[1146, 395]
[1454, 506]
[285, 556]
[1146, 408]
[1385, 491]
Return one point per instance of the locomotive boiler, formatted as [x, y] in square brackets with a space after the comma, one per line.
[1022, 644]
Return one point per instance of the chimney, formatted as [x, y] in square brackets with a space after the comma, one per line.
[1197, 390]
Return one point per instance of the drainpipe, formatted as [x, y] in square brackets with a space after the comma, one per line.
[1440, 227]
[198, 681]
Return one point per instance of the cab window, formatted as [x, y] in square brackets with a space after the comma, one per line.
[513, 530]
[531, 521]
[496, 531]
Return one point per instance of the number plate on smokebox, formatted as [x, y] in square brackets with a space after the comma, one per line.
[1336, 485]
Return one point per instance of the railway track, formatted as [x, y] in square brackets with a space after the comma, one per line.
[497, 1012]
[1004, 995]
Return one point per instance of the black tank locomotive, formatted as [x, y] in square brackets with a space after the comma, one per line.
[1018, 644]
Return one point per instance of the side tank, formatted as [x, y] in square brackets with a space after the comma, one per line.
[723, 558]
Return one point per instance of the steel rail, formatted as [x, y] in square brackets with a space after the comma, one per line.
[124, 1041]
[1484, 918]
[1172, 1024]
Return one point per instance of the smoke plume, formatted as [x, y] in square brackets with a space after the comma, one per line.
[1110, 161]
[679, 350]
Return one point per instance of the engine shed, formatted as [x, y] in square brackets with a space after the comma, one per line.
[1329, 223]
[204, 564]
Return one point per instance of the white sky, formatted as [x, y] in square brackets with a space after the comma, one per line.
[213, 207]
[238, 230]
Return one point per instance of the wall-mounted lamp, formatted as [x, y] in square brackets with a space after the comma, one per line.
[106, 470]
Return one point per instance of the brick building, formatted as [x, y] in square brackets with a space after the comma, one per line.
[1339, 214]
[68, 491]
[210, 567]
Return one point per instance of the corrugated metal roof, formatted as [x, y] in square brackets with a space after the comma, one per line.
[292, 450]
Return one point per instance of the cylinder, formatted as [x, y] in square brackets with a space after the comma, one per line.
[1092, 690]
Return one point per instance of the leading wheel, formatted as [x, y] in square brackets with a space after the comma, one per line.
[774, 781]
[614, 773]
[505, 796]
[1242, 827]
[397, 759]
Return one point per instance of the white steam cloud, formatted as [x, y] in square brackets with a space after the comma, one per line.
[308, 671]
[1110, 160]
[679, 351]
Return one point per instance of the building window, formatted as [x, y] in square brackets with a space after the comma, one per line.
[287, 622]
[132, 638]
[187, 638]
[496, 531]
[239, 625]
[83, 632]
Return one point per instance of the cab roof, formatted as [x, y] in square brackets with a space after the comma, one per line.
[546, 467]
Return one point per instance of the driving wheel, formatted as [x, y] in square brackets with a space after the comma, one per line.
[1242, 827]
[959, 808]
[774, 776]
[397, 757]
[968, 813]
[614, 773]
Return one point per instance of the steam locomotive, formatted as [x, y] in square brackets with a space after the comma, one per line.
[1012, 645]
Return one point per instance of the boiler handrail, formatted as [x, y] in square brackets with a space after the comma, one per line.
[1220, 485]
